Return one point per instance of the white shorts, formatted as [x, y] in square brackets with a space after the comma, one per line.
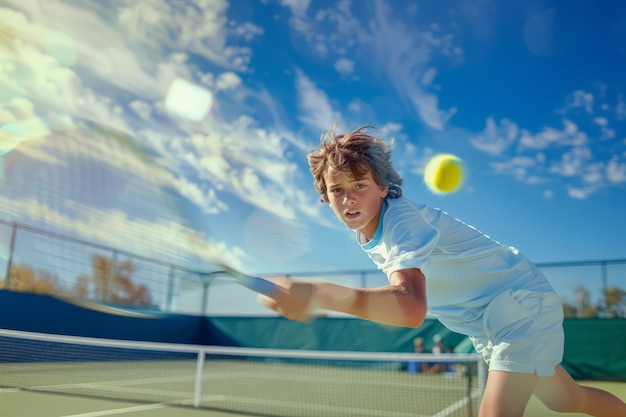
[523, 332]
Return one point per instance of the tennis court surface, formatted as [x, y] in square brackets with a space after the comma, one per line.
[44, 375]
[19, 403]
[66, 372]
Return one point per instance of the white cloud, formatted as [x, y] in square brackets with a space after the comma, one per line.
[356, 106]
[314, 105]
[616, 171]
[551, 137]
[126, 59]
[143, 109]
[140, 48]
[579, 193]
[406, 53]
[344, 66]
[578, 99]
[227, 81]
[620, 109]
[428, 76]
[570, 161]
[390, 46]
[199, 27]
[591, 178]
[297, 7]
[390, 129]
[496, 139]
[518, 167]
[601, 121]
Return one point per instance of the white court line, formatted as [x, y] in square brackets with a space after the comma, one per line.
[459, 404]
[120, 410]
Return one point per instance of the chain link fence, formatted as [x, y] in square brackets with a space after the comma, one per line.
[33, 260]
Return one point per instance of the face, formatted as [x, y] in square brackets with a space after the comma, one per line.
[355, 201]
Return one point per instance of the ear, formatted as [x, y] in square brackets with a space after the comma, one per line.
[384, 191]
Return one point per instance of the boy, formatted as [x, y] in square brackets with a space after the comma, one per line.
[471, 283]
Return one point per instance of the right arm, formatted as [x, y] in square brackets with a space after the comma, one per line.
[401, 303]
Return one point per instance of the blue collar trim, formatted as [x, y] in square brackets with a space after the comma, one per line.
[379, 229]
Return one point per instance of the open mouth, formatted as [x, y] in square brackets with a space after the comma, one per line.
[352, 214]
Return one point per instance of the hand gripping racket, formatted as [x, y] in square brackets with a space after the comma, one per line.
[295, 304]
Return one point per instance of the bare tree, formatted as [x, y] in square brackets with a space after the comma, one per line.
[23, 278]
[582, 307]
[615, 302]
[111, 281]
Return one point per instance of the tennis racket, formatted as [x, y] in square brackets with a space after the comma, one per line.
[252, 282]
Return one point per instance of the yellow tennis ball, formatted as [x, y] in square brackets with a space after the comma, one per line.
[444, 173]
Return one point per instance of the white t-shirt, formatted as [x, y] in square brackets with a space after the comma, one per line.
[464, 268]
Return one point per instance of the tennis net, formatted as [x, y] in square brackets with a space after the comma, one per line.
[249, 381]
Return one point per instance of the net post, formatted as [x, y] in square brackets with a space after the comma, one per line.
[197, 390]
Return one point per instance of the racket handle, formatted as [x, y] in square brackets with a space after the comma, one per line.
[258, 284]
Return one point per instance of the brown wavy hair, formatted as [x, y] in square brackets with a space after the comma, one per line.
[356, 152]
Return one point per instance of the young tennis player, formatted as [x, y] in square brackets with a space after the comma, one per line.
[471, 283]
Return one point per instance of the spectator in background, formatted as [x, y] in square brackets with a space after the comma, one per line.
[415, 367]
[438, 349]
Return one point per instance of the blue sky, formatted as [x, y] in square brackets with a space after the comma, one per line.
[531, 94]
